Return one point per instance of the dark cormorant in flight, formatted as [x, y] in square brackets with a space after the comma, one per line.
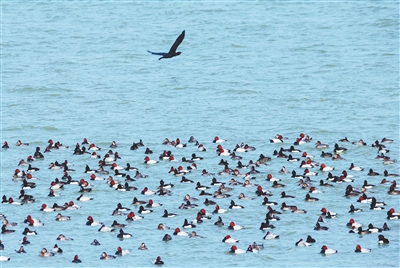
[172, 52]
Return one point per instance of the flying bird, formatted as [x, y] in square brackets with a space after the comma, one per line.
[172, 51]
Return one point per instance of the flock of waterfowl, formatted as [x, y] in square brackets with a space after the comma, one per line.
[213, 183]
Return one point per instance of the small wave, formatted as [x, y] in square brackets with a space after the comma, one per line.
[50, 128]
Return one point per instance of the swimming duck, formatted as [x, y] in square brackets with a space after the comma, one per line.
[233, 226]
[123, 235]
[142, 246]
[326, 251]
[168, 215]
[45, 253]
[236, 250]
[158, 260]
[121, 252]
[76, 259]
[302, 243]
[219, 222]
[318, 227]
[284, 195]
[235, 206]
[270, 236]
[266, 225]
[360, 249]
[105, 256]
[382, 240]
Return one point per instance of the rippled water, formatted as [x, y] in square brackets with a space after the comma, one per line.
[248, 70]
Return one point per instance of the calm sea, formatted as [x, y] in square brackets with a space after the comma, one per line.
[248, 70]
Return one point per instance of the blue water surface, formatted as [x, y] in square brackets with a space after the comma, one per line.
[248, 70]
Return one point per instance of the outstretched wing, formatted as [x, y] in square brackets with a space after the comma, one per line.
[178, 41]
[157, 53]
